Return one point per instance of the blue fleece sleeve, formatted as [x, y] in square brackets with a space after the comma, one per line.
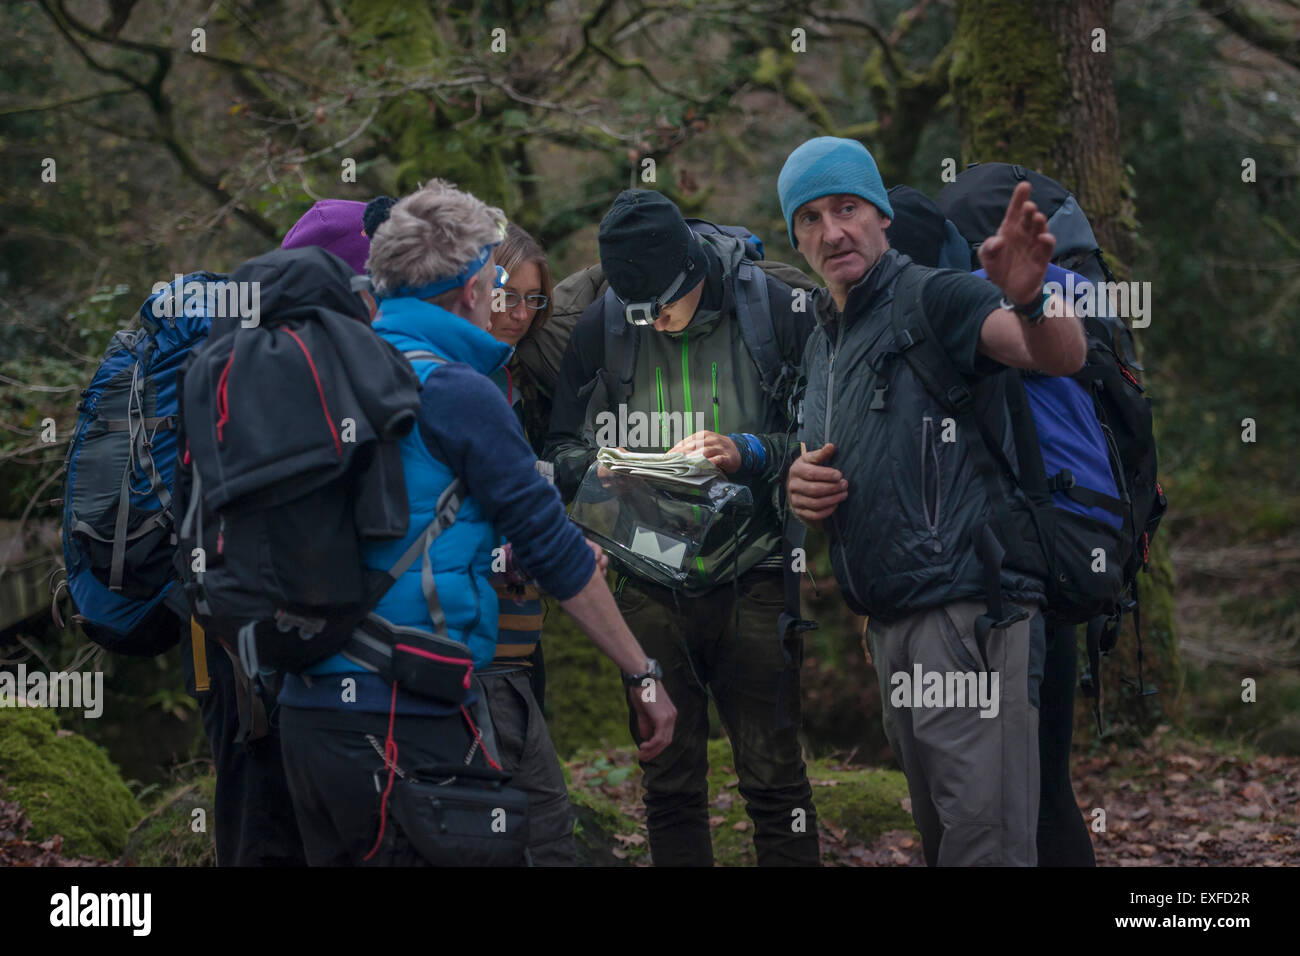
[466, 424]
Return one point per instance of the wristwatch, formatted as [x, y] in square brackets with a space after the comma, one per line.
[1034, 313]
[652, 670]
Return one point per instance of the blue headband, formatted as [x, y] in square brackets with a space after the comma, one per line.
[431, 289]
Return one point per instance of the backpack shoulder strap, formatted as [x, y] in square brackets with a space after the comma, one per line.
[449, 502]
[754, 310]
[424, 355]
[916, 342]
[621, 342]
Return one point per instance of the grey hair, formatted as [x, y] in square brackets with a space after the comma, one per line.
[432, 234]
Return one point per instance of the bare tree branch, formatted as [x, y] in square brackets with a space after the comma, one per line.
[42, 107]
[1257, 30]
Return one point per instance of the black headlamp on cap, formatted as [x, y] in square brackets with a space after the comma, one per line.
[647, 313]
[641, 238]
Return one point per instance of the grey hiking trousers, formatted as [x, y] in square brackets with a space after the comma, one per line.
[967, 738]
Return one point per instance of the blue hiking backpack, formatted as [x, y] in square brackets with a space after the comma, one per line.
[117, 502]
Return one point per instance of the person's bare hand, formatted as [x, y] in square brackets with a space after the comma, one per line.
[1017, 255]
[609, 480]
[602, 559]
[719, 449]
[655, 718]
[815, 490]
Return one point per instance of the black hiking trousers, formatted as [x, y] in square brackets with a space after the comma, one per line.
[1063, 838]
[253, 820]
[754, 679]
[337, 773]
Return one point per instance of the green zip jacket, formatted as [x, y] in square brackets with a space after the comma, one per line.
[706, 372]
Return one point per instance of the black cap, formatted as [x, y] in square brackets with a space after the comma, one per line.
[645, 244]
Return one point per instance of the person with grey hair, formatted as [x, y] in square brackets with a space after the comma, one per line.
[432, 268]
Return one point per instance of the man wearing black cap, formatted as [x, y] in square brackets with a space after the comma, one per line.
[720, 634]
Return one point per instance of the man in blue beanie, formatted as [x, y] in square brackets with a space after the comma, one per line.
[926, 539]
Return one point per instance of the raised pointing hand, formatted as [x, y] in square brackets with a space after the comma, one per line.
[1017, 255]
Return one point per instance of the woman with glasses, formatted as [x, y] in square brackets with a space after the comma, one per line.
[515, 683]
[520, 314]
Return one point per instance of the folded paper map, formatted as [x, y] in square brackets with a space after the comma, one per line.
[671, 467]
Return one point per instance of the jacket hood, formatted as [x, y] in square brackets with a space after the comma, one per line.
[293, 283]
[727, 251]
[411, 324]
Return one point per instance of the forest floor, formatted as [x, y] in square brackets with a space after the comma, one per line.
[17, 850]
[1171, 801]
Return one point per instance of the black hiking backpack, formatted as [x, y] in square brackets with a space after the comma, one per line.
[977, 201]
[1090, 567]
[271, 556]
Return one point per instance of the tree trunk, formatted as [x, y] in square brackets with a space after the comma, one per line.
[1030, 89]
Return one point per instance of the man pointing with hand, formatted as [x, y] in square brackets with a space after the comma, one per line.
[916, 542]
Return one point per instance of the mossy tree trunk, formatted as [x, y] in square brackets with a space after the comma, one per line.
[1033, 84]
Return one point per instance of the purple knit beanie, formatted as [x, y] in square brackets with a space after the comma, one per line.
[335, 225]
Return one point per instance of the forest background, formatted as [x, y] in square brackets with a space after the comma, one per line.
[189, 136]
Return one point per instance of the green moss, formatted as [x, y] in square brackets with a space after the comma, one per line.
[65, 783]
[584, 700]
[1007, 82]
[173, 834]
[599, 824]
[866, 803]
[452, 137]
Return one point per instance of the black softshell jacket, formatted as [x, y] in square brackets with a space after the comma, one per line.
[901, 541]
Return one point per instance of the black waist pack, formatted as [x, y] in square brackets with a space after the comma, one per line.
[463, 816]
[422, 663]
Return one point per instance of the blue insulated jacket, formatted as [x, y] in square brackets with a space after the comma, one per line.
[462, 555]
[464, 429]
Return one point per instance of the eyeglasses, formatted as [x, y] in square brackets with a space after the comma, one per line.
[536, 302]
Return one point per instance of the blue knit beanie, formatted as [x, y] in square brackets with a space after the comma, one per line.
[825, 166]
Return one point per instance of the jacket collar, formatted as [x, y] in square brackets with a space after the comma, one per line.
[865, 295]
[415, 324]
[723, 254]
